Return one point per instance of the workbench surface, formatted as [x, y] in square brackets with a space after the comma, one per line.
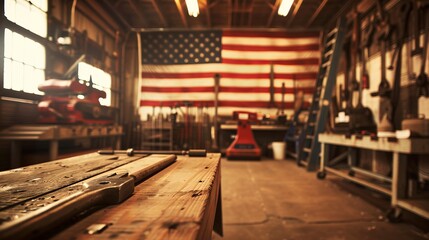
[178, 202]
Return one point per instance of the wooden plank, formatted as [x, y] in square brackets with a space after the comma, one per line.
[21, 184]
[44, 213]
[177, 203]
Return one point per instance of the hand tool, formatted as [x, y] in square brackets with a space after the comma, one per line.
[384, 30]
[272, 103]
[397, 110]
[132, 152]
[361, 118]
[422, 82]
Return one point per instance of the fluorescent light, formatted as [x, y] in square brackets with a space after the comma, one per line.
[285, 7]
[192, 6]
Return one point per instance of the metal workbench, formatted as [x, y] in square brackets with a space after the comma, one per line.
[400, 149]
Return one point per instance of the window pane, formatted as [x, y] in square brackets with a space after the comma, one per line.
[9, 9]
[7, 74]
[38, 23]
[31, 16]
[101, 80]
[8, 43]
[30, 83]
[37, 58]
[23, 13]
[42, 4]
[17, 76]
[19, 47]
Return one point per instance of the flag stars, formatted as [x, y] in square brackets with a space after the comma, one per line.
[181, 47]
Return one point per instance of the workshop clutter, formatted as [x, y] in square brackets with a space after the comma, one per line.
[183, 126]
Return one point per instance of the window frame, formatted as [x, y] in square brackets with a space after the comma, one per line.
[7, 24]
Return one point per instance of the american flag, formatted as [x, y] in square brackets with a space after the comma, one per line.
[180, 66]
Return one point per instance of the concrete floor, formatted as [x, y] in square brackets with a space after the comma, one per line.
[273, 199]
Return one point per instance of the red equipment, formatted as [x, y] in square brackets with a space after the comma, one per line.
[62, 105]
[244, 146]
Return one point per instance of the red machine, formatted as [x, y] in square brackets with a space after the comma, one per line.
[244, 146]
[62, 105]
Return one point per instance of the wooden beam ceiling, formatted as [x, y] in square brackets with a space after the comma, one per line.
[181, 12]
[273, 12]
[317, 12]
[137, 11]
[229, 13]
[117, 14]
[158, 11]
[295, 11]
[208, 17]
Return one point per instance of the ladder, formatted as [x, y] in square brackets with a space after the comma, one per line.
[309, 146]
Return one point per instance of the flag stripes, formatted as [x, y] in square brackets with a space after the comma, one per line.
[246, 60]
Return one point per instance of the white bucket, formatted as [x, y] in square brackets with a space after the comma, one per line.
[279, 150]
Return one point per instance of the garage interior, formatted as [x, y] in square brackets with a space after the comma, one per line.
[214, 119]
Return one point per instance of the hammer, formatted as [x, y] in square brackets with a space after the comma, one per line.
[131, 152]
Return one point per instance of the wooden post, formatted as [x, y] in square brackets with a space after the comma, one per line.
[15, 155]
[53, 150]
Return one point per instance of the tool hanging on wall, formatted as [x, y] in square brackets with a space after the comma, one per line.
[422, 81]
[384, 31]
[215, 144]
[281, 116]
[396, 63]
[272, 103]
[361, 118]
[367, 40]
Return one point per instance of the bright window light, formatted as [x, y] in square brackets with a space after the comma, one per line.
[28, 14]
[25, 59]
[23, 71]
[100, 79]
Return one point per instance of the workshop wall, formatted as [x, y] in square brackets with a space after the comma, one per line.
[94, 34]
[408, 101]
[374, 67]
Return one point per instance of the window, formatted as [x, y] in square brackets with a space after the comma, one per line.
[25, 59]
[100, 79]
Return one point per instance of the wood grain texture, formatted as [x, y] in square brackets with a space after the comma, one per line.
[22, 184]
[43, 212]
[177, 203]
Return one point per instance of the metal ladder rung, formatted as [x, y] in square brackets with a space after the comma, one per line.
[307, 150]
[328, 53]
[326, 64]
[332, 32]
[330, 43]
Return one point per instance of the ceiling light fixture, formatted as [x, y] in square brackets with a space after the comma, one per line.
[192, 6]
[285, 7]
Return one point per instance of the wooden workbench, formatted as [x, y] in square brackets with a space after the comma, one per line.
[153, 197]
[53, 133]
[400, 149]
